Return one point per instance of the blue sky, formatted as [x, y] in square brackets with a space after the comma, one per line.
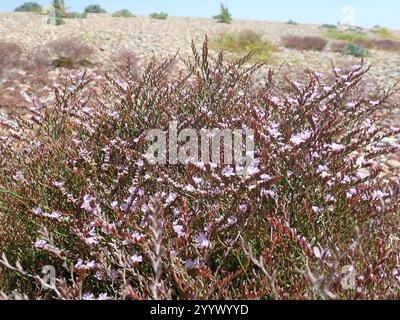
[368, 13]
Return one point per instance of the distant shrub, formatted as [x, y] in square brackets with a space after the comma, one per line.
[125, 62]
[244, 42]
[379, 44]
[70, 53]
[304, 43]
[38, 60]
[292, 22]
[77, 15]
[355, 50]
[159, 15]
[329, 26]
[29, 7]
[384, 33]
[224, 16]
[95, 8]
[59, 6]
[10, 55]
[355, 29]
[60, 13]
[386, 44]
[124, 13]
[338, 46]
[347, 35]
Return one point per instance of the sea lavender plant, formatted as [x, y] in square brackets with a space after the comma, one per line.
[77, 193]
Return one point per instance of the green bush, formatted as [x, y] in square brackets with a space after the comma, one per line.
[224, 15]
[60, 13]
[124, 13]
[355, 50]
[244, 42]
[95, 8]
[159, 16]
[292, 22]
[384, 33]
[29, 7]
[329, 26]
[77, 15]
[59, 6]
[348, 35]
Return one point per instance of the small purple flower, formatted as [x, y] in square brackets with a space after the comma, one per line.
[114, 274]
[362, 175]
[202, 241]
[40, 244]
[171, 198]
[179, 230]
[114, 204]
[37, 211]
[300, 138]
[232, 220]
[317, 209]
[91, 264]
[378, 195]
[135, 259]
[190, 188]
[190, 264]
[103, 296]
[228, 172]
[268, 193]
[92, 240]
[55, 215]
[99, 275]
[266, 177]
[79, 264]
[251, 171]
[87, 201]
[337, 147]
[317, 252]
[88, 296]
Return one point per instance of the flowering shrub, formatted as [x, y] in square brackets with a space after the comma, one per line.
[338, 46]
[76, 192]
[10, 55]
[70, 53]
[304, 43]
[380, 44]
